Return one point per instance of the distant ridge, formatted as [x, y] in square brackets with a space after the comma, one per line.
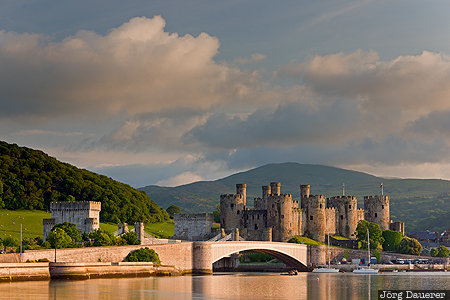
[421, 203]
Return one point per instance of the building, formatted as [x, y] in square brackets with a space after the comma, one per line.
[278, 216]
[85, 214]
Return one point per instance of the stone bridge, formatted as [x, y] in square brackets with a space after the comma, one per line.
[187, 257]
[207, 253]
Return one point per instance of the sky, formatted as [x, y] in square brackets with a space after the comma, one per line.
[172, 92]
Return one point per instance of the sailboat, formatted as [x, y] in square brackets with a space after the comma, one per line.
[367, 270]
[328, 269]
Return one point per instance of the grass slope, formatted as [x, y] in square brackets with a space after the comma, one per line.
[421, 203]
[31, 221]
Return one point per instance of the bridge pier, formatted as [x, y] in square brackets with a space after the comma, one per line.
[201, 258]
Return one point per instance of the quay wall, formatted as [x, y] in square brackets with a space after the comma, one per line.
[174, 254]
[24, 272]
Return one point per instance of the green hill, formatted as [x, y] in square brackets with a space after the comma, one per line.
[30, 179]
[421, 203]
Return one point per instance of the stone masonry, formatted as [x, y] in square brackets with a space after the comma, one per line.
[85, 214]
[316, 216]
[192, 227]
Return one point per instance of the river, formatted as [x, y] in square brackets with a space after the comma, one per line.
[228, 286]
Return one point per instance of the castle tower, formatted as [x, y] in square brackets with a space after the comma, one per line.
[346, 214]
[316, 217]
[232, 208]
[304, 195]
[241, 189]
[276, 188]
[266, 191]
[261, 203]
[376, 210]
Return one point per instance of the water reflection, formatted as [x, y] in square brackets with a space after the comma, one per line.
[227, 286]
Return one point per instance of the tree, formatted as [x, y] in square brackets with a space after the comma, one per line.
[440, 251]
[131, 238]
[101, 238]
[71, 229]
[10, 242]
[63, 240]
[375, 234]
[410, 246]
[433, 252]
[216, 214]
[144, 255]
[391, 240]
[172, 210]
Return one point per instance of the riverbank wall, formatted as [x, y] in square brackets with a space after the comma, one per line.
[75, 271]
[24, 272]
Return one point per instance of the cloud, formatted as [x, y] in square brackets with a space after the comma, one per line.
[255, 57]
[135, 68]
[410, 86]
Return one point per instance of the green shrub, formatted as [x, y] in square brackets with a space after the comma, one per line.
[410, 246]
[63, 240]
[130, 238]
[440, 251]
[10, 242]
[143, 255]
[391, 240]
[71, 229]
[172, 210]
[101, 238]
[375, 234]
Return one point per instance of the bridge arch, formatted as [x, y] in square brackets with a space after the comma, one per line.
[206, 253]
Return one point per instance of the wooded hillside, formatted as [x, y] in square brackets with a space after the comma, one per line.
[30, 179]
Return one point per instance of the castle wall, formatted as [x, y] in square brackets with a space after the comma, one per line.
[330, 223]
[85, 214]
[376, 210]
[346, 214]
[397, 226]
[192, 227]
[48, 225]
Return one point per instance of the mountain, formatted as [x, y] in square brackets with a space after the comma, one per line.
[421, 203]
[30, 179]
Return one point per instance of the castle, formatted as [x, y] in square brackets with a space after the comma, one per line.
[277, 217]
[85, 214]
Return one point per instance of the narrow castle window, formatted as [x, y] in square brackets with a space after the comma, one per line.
[350, 206]
[320, 205]
[342, 217]
[376, 215]
[232, 205]
[256, 226]
[258, 217]
[310, 218]
[282, 216]
[238, 211]
[382, 206]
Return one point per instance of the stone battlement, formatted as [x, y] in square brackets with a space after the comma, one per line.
[77, 205]
[342, 198]
[377, 197]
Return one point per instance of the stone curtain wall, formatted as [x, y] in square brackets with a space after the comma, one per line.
[193, 227]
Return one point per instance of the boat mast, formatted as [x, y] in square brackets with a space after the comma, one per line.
[368, 245]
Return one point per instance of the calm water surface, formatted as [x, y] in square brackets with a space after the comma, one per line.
[228, 286]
